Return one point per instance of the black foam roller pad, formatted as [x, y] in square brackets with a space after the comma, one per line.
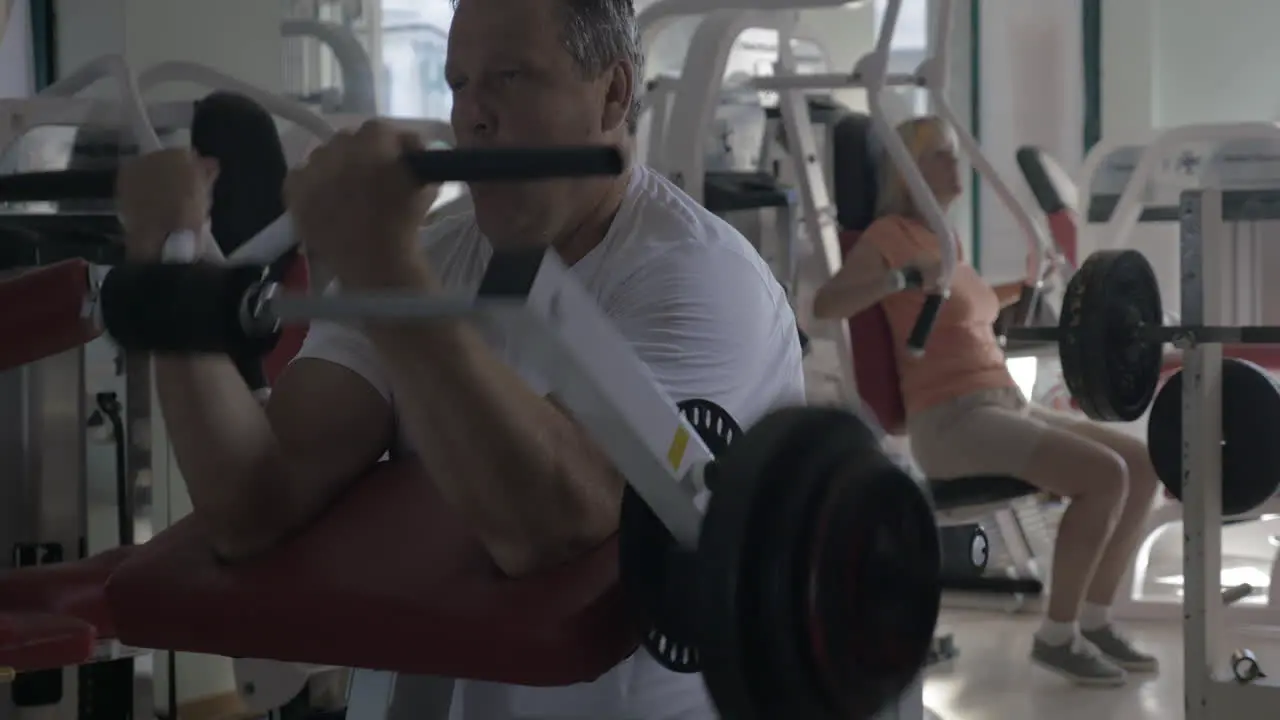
[171, 308]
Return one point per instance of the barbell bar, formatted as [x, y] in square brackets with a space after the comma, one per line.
[1111, 335]
[1180, 336]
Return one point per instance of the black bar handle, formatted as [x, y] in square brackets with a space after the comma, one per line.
[924, 323]
[58, 185]
[428, 166]
[508, 164]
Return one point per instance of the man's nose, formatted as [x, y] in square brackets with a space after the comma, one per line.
[473, 121]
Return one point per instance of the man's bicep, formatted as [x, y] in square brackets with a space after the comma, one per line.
[331, 408]
[330, 423]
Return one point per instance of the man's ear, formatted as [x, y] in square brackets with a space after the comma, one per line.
[619, 94]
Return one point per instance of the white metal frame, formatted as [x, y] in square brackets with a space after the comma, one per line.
[1210, 689]
[1157, 148]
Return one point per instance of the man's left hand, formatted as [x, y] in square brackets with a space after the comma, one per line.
[357, 207]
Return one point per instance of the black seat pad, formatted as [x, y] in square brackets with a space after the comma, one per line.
[978, 490]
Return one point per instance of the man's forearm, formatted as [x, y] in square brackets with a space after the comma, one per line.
[536, 488]
[221, 436]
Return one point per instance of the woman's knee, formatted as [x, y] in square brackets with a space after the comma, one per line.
[1075, 467]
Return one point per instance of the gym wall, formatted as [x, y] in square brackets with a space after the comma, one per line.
[1032, 93]
[15, 52]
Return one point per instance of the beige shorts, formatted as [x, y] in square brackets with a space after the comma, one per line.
[991, 432]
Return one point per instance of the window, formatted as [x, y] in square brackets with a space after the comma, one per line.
[911, 40]
[755, 52]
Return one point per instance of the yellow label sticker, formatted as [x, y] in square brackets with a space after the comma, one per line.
[675, 453]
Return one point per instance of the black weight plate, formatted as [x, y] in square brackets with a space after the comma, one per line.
[656, 572]
[877, 587]
[1111, 372]
[1250, 450]
[781, 659]
[756, 663]
[825, 602]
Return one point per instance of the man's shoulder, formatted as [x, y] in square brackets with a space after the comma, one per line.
[671, 231]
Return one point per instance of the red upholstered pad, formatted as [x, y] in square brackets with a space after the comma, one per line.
[296, 279]
[874, 363]
[31, 641]
[42, 313]
[389, 579]
[76, 589]
[1062, 226]
[1266, 356]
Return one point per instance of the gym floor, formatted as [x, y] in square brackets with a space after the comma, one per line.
[992, 680]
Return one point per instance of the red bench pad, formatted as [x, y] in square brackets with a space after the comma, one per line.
[297, 278]
[388, 579]
[32, 641]
[43, 313]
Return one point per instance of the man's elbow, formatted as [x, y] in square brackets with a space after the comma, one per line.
[573, 531]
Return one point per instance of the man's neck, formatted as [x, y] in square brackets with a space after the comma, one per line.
[583, 237]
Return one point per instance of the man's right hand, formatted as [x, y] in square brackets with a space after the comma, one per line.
[160, 193]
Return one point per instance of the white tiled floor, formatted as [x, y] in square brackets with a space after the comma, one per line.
[992, 679]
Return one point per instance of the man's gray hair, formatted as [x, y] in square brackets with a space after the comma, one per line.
[598, 33]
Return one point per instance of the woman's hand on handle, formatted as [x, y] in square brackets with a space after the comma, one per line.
[356, 206]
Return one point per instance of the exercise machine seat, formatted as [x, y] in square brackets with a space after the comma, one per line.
[875, 365]
[33, 641]
[388, 579]
[297, 278]
[978, 490]
[854, 191]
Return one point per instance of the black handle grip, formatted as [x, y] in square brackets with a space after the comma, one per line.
[428, 166]
[58, 185]
[924, 323]
[507, 164]
[169, 308]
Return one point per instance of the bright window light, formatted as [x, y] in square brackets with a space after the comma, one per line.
[1023, 370]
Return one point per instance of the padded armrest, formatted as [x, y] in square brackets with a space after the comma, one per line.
[43, 313]
[30, 641]
[77, 589]
[978, 490]
[388, 579]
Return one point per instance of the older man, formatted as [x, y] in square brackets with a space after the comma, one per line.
[692, 297]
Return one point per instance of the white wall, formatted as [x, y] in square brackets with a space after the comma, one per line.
[15, 52]
[1032, 94]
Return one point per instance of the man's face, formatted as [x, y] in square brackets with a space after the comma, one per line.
[515, 84]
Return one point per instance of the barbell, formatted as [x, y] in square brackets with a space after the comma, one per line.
[1111, 336]
[1111, 342]
[814, 586]
[810, 585]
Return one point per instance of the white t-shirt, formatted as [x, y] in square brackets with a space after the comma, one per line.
[702, 310]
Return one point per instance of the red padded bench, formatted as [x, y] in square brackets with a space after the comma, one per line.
[388, 579]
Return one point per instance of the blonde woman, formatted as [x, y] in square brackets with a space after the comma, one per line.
[966, 416]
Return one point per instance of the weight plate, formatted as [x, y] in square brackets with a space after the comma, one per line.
[773, 581]
[1109, 369]
[1250, 452]
[876, 591]
[656, 572]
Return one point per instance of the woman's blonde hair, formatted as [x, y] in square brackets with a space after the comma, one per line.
[919, 135]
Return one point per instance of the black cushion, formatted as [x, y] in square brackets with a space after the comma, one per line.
[854, 167]
[978, 490]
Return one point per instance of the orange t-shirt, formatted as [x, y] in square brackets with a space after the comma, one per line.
[962, 355]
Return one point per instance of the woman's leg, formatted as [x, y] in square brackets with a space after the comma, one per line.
[1117, 557]
[1003, 439]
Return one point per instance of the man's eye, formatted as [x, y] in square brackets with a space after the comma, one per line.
[508, 75]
